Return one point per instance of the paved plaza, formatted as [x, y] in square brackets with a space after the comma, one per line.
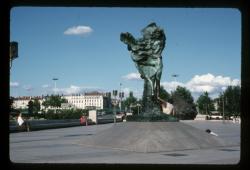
[62, 146]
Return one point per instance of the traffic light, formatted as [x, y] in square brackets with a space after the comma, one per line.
[13, 50]
[114, 92]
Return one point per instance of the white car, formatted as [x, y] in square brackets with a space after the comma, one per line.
[129, 114]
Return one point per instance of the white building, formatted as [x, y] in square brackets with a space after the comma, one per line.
[86, 101]
[92, 100]
[22, 102]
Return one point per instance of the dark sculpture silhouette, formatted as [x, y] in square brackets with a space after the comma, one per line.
[146, 53]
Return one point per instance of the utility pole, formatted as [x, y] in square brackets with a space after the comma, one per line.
[55, 79]
[114, 104]
[138, 106]
[223, 110]
[175, 77]
[224, 101]
[206, 110]
[120, 96]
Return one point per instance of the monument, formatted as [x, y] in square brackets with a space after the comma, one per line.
[154, 131]
[146, 53]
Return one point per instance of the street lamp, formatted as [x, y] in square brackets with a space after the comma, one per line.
[175, 76]
[114, 102]
[121, 95]
[224, 102]
[138, 105]
[55, 79]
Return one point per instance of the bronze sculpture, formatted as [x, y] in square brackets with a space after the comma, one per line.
[146, 53]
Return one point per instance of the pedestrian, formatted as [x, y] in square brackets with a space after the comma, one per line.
[86, 120]
[83, 121]
[20, 120]
[22, 124]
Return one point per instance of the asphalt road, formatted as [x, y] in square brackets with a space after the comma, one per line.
[62, 146]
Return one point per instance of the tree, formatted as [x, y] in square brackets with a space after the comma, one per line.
[36, 106]
[205, 104]
[230, 99]
[130, 100]
[54, 101]
[164, 94]
[11, 103]
[30, 107]
[183, 102]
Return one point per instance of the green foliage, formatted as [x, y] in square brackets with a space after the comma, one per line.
[129, 101]
[164, 94]
[11, 101]
[183, 102]
[54, 101]
[184, 93]
[23, 110]
[36, 106]
[231, 100]
[205, 104]
[30, 107]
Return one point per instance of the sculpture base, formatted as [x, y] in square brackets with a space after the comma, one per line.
[152, 118]
[149, 137]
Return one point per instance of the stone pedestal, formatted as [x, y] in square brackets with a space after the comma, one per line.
[149, 137]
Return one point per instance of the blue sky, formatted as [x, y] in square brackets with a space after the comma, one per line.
[203, 47]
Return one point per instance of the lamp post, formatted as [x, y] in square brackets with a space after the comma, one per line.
[114, 104]
[175, 76]
[138, 105]
[205, 108]
[223, 106]
[120, 96]
[224, 102]
[223, 110]
[55, 79]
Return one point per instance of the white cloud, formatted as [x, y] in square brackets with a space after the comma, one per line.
[197, 85]
[170, 86]
[45, 86]
[132, 76]
[14, 84]
[201, 83]
[210, 83]
[235, 82]
[28, 87]
[79, 30]
[73, 89]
